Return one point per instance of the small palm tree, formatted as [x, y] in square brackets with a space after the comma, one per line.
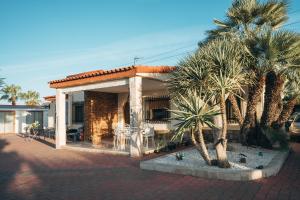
[32, 98]
[11, 93]
[192, 114]
[216, 70]
[227, 59]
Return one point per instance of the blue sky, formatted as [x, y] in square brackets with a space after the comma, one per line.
[48, 39]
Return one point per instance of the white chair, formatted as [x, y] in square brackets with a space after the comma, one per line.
[127, 135]
[117, 136]
[122, 136]
[148, 132]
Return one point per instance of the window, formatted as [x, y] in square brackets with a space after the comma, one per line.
[77, 112]
[156, 109]
[34, 116]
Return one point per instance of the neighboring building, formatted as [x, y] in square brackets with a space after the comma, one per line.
[102, 99]
[14, 119]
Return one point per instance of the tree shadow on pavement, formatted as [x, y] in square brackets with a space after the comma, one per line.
[9, 165]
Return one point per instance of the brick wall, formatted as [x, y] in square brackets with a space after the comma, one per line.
[100, 113]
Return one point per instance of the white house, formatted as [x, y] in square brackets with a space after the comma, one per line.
[102, 99]
[14, 119]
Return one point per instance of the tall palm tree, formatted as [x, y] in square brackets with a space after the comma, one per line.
[11, 93]
[193, 113]
[32, 98]
[244, 20]
[280, 53]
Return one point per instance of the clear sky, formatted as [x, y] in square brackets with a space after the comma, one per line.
[48, 39]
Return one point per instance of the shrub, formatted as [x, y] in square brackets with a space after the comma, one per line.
[277, 136]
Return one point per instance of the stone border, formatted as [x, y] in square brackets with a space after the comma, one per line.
[216, 173]
[95, 150]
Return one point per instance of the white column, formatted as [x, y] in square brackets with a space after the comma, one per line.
[60, 131]
[135, 97]
[70, 101]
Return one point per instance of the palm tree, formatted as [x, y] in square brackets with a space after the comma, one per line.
[216, 69]
[193, 112]
[227, 59]
[291, 97]
[244, 20]
[31, 98]
[11, 93]
[280, 53]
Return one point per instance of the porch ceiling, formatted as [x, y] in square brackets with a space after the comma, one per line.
[148, 84]
[152, 84]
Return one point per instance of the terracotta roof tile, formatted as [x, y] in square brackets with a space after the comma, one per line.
[109, 74]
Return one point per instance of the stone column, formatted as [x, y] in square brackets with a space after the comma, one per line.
[70, 102]
[60, 132]
[135, 98]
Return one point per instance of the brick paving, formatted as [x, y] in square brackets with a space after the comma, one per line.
[35, 170]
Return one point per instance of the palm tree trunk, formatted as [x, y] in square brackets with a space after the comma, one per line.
[285, 113]
[254, 96]
[222, 141]
[224, 118]
[278, 110]
[13, 101]
[272, 98]
[200, 146]
[236, 109]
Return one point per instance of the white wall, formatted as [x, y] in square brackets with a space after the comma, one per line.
[78, 96]
[51, 115]
[20, 122]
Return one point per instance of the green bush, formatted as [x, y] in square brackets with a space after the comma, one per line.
[277, 136]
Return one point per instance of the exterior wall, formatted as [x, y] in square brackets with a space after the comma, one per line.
[51, 115]
[45, 119]
[20, 120]
[20, 123]
[101, 113]
[78, 96]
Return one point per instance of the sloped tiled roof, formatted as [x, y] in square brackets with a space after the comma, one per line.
[103, 75]
[49, 98]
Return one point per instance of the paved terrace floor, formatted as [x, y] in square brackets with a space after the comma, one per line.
[34, 170]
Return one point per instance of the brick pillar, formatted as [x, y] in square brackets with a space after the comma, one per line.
[60, 132]
[135, 97]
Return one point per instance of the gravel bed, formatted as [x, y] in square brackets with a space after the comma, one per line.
[254, 157]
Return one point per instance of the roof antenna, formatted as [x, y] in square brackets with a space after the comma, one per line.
[135, 59]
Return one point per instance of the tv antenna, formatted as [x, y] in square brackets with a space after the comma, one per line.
[135, 59]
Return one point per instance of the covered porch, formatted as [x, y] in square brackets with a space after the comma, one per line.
[128, 103]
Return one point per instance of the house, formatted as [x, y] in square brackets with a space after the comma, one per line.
[14, 119]
[100, 100]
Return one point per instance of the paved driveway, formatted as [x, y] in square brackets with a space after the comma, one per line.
[33, 170]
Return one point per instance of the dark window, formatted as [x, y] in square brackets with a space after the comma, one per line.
[157, 109]
[77, 112]
[34, 116]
